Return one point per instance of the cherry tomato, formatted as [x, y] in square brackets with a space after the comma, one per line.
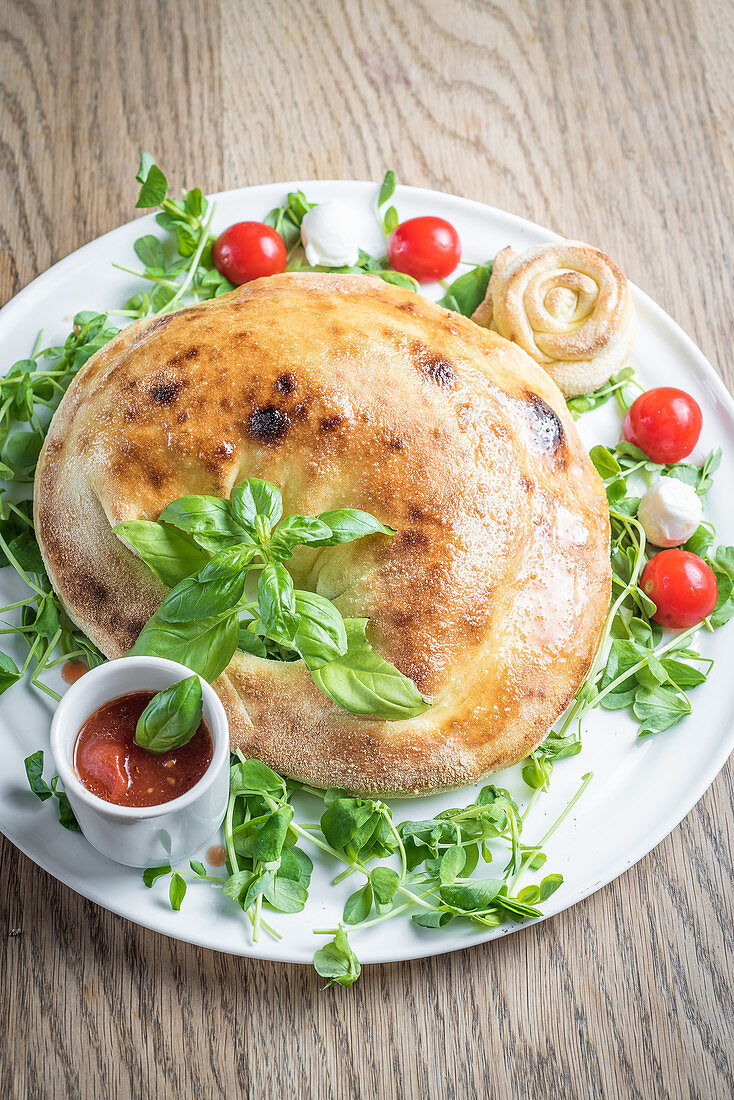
[426, 248]
[682, 587]
[249, 250]
[665, 423]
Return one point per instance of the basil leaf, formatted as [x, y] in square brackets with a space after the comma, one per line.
[154, 184]
[251, 643]
[348, 524]
[171, 718]
[363, 682]
[276, 603]
[194, 599]
[253, 498]
[297, 530]
[168, 552]
[34, 772]
[337, 961]
[320, 635]
[227, 563]
[206, 645]
[208, 520]
[467, 292]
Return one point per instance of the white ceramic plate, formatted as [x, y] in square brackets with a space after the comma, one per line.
[661, 778]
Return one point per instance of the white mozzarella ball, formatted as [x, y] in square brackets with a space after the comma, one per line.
[670, 512]
[330, 235]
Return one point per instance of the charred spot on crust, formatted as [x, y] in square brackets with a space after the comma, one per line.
[406, 307]
[96, 591]
[182, 357]
[396, 444]
[432, 365]
[527, 484]
[134, 628]
[268, 424]
[546, 424]
[414, 539]
[328, 423]
[165, 393]
[286, 383]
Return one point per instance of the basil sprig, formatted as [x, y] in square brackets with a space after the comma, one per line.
[171, 718]
[206, 548]
[363, 682]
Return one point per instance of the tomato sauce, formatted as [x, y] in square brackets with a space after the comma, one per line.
[111, 765]
[73, 671]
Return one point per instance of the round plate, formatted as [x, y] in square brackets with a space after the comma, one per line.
[661, 777]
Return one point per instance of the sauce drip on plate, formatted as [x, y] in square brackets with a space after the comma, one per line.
[111, 765]
[73, 671]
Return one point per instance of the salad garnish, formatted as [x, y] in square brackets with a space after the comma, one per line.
[203, 548]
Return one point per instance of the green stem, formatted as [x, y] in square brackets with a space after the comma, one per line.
[194, 264]
[640, 664]
[530, 854]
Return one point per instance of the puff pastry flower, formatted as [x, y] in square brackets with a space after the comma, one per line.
[568, 306]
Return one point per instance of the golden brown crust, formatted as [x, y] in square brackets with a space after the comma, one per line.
[347, 392]
[568, 306]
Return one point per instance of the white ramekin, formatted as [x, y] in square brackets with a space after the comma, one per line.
[142, 836]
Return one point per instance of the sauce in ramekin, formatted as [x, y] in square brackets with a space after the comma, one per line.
[111, 765]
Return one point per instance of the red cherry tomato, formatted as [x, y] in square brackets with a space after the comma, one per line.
[665, 423]
[249, 250]
[426, 248]
[682, 587]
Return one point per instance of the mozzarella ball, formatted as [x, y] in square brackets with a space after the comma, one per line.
[670, 512]
[330, 235]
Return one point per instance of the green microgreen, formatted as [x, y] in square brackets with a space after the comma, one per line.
[223, 562]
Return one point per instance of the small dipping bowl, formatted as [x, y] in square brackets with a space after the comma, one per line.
[141, 836]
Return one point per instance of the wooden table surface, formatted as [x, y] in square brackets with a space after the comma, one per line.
[611, 122]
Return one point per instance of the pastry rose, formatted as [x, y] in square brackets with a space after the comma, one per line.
[568, 306]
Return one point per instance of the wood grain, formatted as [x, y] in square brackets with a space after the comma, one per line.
[607, 121]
